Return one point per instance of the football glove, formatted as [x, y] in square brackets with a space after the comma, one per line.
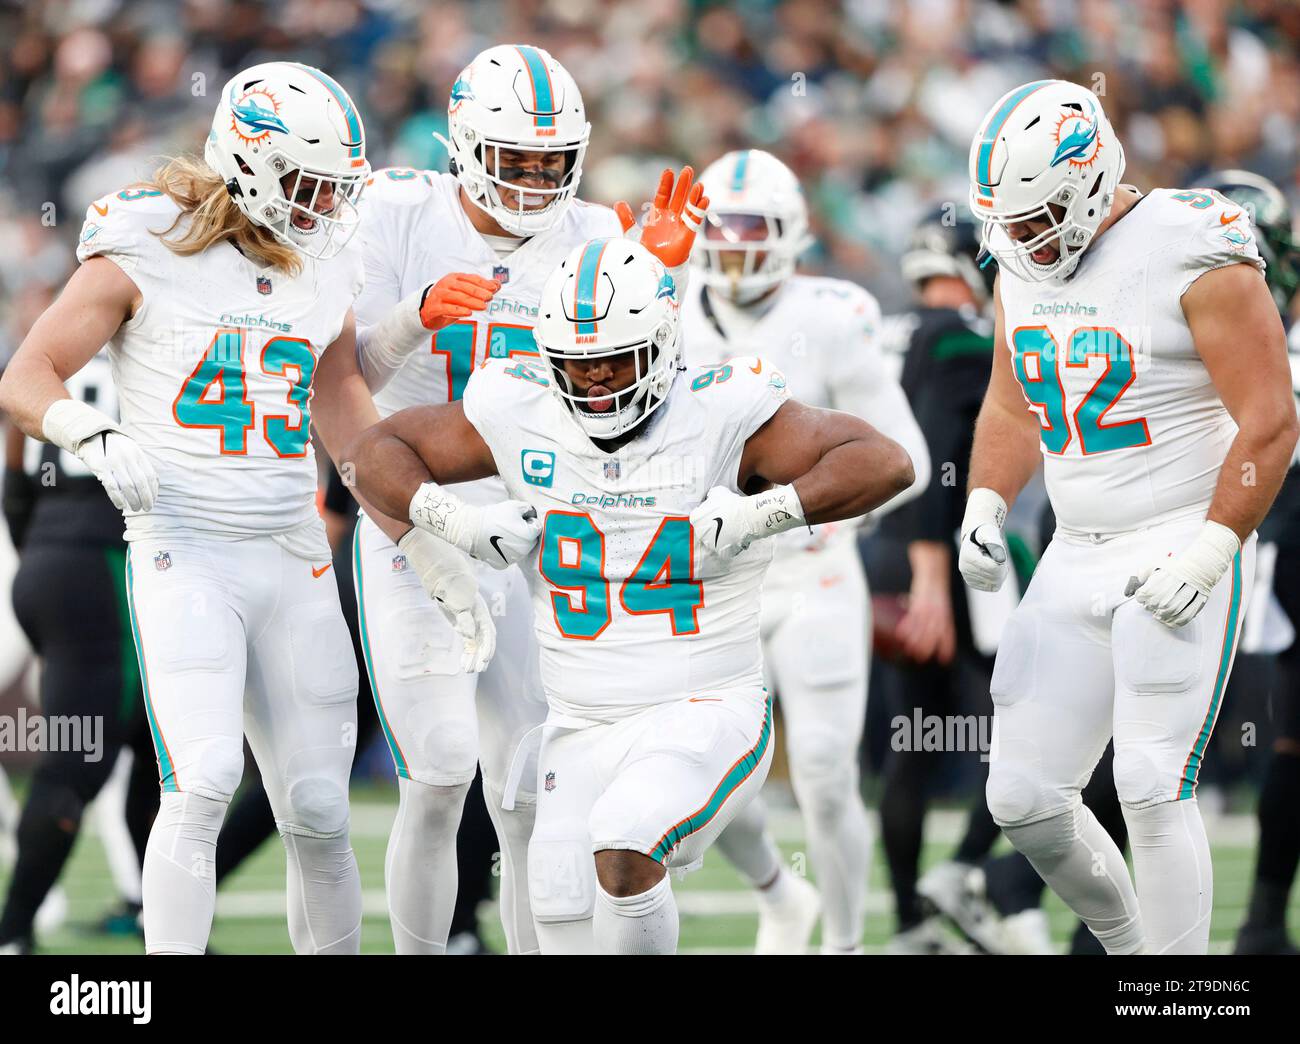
[675, 217]
[1175, 589]
[499, 534]
[112, 456]
[455, 297]
[982, 556]
[726, 523]
[449, 581]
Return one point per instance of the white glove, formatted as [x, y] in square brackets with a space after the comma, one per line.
[450, 582]
[1177, 588]
[726, 523]
[982, 555]
[113, 457]
[499, 534]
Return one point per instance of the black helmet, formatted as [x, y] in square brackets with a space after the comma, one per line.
[1271, 214]
[946, 242]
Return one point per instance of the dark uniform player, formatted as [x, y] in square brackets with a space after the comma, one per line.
[944, 375]
[70, 599]
[1264, 930]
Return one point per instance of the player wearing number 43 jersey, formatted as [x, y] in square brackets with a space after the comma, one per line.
[218, 287]
[645, 560]
[1140, 353]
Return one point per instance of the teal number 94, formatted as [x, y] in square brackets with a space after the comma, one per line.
[573, 562]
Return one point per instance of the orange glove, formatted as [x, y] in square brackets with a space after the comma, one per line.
[674, 218]
[454, 297]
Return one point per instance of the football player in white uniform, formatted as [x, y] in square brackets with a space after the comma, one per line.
[218, 287]
[1139, 352]
[635, 533]
[823, 335]
[455, 264]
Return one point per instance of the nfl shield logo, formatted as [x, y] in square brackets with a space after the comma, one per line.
[162, 561]
[263, 284]
[550, 782]
[612, 470]
[501, 274]
[399, 563]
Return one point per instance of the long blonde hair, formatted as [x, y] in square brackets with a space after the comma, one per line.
[199, 191]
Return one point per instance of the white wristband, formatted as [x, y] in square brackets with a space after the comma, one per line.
[983, 506]
[70, 422]
[1210, 555]
[776, 510]
[445, 515]
[382, 349]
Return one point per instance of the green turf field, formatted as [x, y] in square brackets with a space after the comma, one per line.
[717, 912]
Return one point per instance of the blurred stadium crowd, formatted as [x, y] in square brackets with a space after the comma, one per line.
[872, 102]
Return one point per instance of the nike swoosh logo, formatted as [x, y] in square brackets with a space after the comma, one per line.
[758, 368]
[101, 211]
[1224, 219]
[718, 533]
[318, 573]
[497, 548]
[705, 699]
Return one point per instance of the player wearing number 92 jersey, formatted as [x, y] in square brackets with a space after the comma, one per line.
[1139, 352]
[220, 287]
[645, 587]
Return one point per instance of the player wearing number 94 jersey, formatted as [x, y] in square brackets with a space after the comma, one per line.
[219, 286]
[1140, 356]
[645, 569]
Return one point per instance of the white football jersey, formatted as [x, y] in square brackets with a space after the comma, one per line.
[213, 372]
[624, 616]
[415, 231]
[1133, 431]
[825, 336]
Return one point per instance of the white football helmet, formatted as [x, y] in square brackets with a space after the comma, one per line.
[756, 207]
[1044, 145]
[610, 297]
[515, 97]
[283, 118]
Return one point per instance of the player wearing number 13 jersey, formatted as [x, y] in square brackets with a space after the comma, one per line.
[1140, 355]
[645, 586]
[219, 286]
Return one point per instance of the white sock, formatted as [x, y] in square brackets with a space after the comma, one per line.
[324, 894]
[179, 880]
[746, 845]
[1082, 864]
[645, 923]
[839, 842]
[514, 828]
[420, 867]
[566, 937]
[1175, 879]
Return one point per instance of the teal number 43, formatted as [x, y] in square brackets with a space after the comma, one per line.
[215, 394]
[573, 562]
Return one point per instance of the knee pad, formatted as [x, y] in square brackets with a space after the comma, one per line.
[448, 748]
[1137, 779]
[214, 770]
[1013, 794]
[561, 873]
[824, 775]
[318, 807]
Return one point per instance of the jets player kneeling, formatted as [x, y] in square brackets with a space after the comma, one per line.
[653, 489]
[822, 334]
[1139, 350]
